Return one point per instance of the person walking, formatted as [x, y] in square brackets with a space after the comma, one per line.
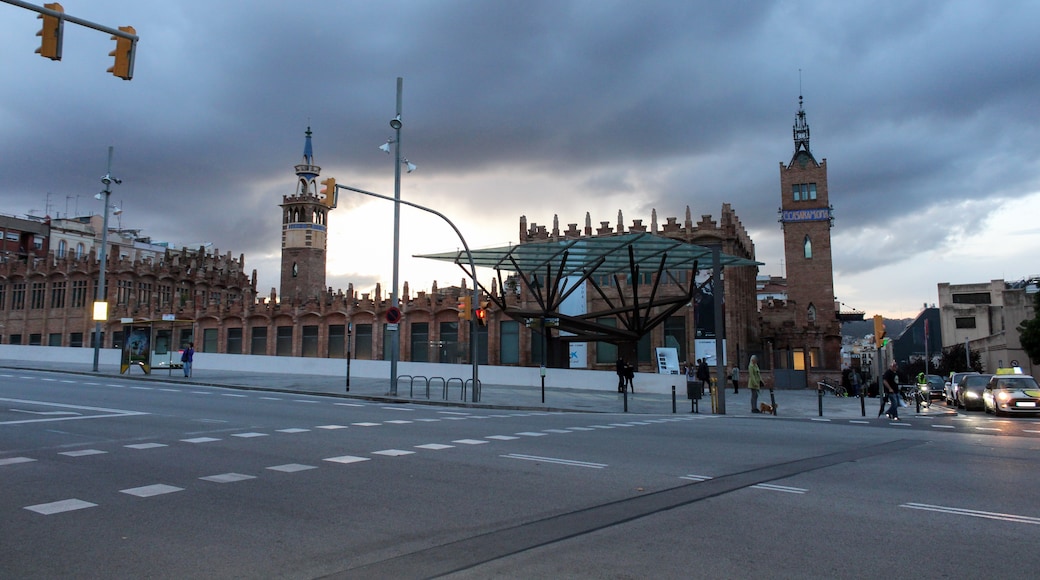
[187, 357]
[890, 382]
[754, 382]
[630, 373]
[734, 376]
[702, 373]
[619, 368]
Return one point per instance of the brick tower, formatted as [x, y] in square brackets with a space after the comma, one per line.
[806, 218]
[304, 233]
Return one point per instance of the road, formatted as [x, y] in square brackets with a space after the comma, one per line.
[131, 479]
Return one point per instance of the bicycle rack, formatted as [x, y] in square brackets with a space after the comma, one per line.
[476, 390]
[462, 387]
[411, 384]
[444, 387]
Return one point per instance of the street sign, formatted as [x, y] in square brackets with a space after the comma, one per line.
[393, 315]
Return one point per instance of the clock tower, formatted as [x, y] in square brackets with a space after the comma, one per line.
[305, 232]
[806, 218]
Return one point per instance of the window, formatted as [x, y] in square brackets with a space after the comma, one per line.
[80, 250]
[209, 340]
[62, 248]
[283, 341]
[363, 342]
[606, 353]
[123, 290]
[807, 247]
[58, 294]
[258, 340]
[234, 341]
[79, 293]
[814, 357]
[18, 296]
[16, 339]
[54, 339]
[165, 294]
[965, 322]
[811, 313]
[449, 351]
[144, 294]
[310, 341]
[803, 191]
[420, 342]
[3, 296]
[675, 335]
[509, 342]
[972, 298]
[76, 339]
[39, 290]
[337, 340]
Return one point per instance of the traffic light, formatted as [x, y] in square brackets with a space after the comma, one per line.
[50, 34]
[329, 191]
[465, 308]
[123, 66]
[482, 314]
[879, 331]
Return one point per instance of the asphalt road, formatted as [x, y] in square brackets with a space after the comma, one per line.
[131, 479]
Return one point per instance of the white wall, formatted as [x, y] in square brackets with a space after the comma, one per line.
[489, 375]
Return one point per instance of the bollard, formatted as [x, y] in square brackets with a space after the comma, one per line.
[673, 399]
[626, 399]
[862, 403]
[819, 395]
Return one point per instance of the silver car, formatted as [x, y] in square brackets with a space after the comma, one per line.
[1012, 394]
[950, 393]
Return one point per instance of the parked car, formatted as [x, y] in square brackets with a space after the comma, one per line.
[969, 391]
[936, 386]
[1012, 393]
[950, 392]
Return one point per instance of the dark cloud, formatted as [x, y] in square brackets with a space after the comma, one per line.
[581, 106]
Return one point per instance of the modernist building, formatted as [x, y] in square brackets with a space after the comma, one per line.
[803, 333]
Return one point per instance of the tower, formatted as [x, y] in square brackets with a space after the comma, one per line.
[304, 232]
[806, 219]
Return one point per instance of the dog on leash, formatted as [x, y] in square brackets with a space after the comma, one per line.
[766, 408]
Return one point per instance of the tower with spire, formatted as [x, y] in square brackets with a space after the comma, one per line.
[305, 232]
[806, 218]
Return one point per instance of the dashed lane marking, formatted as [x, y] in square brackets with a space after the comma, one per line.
[532, 434]
[469, 441]
[393, 452]
[973, 513]
[555, 460]
[298, 430]
[145, 445]
[82, 452]
[291, 467]
[366, 424]
[200, 440]
[501, 437]
[435, 446]
[57, 507]
[14, 460]
[227, 477]
[151, 490]
[330, 427]
[346, 459]
[944, 426]
[249, 435]
[783, 488]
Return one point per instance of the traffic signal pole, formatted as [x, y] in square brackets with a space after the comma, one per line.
[472, 271]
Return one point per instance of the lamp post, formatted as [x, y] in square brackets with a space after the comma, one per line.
[395, 336]
[100, 305]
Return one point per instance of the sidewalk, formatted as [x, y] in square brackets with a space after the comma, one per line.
[791, 404]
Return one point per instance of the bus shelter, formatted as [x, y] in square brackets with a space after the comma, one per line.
[154, 344]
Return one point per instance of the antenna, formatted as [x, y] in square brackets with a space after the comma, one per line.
[799, 88]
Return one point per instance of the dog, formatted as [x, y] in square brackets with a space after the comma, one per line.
[766, 408]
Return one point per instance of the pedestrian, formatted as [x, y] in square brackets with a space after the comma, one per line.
[630, 373]
[734, 376]
[754, 382]
[890, 382]
[702, 373]
[857, 383]
[186, 358]
[619, 368]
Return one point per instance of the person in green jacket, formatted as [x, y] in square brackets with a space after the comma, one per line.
[754, 382]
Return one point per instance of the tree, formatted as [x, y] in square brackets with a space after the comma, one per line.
[1029, 332]
[952, 361]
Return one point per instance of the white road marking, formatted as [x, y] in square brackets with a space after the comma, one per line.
[151, 490]
[555, 460]
[581, 428]
[346, 459]
[557, 431]
[366, 424]
[973, 513]
[861, 422]
[501, 437]
[304, 401]
[146, 445]
[399, 422]
[399, 409]
[823, 419]
[291, 467]
[49, 413]
[988, 428]
[227, 477]
[429, 420]
[271, 398]
[783, 488]
[469, 441]
[249, 435]
[105, 412]
[82, 452]
[232, 395]
[532, 434]
[692, 477]
[298, 430]
[331, 427]
[348, 404]
[393, 452]
[57, 507]
[944, 426]
[435, 446]
[14, 460]
[200, 440]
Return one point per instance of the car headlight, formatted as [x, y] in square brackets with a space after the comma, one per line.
[971, 394]
[1003, 396]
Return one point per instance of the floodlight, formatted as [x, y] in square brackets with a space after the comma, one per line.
[385, 147]
[409, 165]
[395, 123]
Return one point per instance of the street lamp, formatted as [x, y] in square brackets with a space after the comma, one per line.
[395, 336]
[100, 305]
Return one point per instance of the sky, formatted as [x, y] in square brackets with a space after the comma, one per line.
[926, 112]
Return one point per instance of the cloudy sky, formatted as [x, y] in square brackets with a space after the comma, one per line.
[926, 112]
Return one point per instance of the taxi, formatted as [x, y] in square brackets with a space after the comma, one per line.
[1010, 391]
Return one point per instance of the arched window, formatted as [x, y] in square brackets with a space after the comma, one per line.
[811, 313]
[62, 248]
[807, 246]
[79, 250]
